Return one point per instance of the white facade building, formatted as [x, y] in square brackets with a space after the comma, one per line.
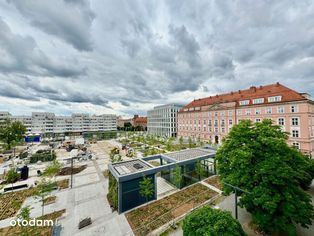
[162, 120]
[46, 122]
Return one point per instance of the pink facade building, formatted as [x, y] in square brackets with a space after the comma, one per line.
[211, 118]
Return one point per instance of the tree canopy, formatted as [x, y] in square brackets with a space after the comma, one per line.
[211, 222]
[147, 188]
[11, 132]
[257, 158]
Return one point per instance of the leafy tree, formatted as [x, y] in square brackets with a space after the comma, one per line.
[147, 188]
[178, 176]
[190, 143]
[12, 176]
[212, 222]
[53, 169]
[169, 145]
[44, 188]
[11, 132]
[181, 141]
[256, 158]
[24, 213]
[199, 169]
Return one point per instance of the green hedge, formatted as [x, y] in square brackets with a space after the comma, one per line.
[113, 192]
[43, 155]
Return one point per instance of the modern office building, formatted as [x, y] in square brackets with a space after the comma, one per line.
[211, 118]
[162, 120]
[49, 123]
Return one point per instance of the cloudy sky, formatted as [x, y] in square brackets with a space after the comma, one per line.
[124, 57]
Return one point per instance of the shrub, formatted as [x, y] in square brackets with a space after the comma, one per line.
[211, 222]
[43, 155]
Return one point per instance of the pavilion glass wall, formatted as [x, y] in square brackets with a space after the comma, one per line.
[189, 173]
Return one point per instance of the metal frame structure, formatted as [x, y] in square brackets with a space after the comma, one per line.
[150, 170]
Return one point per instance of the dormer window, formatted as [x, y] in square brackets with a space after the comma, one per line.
[274, 99]
[244, 102]
[258, 100]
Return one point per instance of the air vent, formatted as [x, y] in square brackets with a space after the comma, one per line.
[138, 166]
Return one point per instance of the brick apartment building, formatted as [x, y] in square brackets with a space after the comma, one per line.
[140, 121]
[211, 118]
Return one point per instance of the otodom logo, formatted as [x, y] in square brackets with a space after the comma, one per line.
[31, 222]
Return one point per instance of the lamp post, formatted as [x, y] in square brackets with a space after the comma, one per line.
[236, 190]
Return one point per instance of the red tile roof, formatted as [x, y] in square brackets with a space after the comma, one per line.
[251, 93]
[140, 120]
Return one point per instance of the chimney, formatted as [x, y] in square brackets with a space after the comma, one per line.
[261, 87]
[253, 88]
[277, 84]
[231, 93]
[135, 116]
[239, 91]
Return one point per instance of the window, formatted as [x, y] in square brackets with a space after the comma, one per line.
[258, 100]
[295, 133]
[239, 112]
[204, 122]
[216, 129]
[204, 128]
[216, 113]
[248, 112]
[281, 109]
[294, 108]
[281, 121]
[268, 110]
[222, 123]
[230, 113]
[230, 122]
[209, 122]
[295, 121]
[222, 113]
[244, 102]
[296, 145]
[216, 123]
[257, 111]
[274, 99]
[257, 120]
[209, 114]
[223, 130]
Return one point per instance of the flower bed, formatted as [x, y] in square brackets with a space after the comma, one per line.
[62, 184]
[68, 170]
[214, 181]
[150, 217]
[11, 202]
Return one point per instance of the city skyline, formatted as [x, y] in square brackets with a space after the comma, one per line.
[127, 57]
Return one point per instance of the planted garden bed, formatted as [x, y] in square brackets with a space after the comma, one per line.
[68, 170]
[11, 202]
[214, 181]
[62, 184]
[50, 200]
[33, 230]
[150, 217]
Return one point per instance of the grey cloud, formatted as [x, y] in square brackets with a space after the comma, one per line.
[124, 103]
[68, 21]
[22, 55]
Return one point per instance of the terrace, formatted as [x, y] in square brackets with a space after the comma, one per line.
[193, 165]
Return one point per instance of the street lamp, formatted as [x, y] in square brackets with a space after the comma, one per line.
[236, 190]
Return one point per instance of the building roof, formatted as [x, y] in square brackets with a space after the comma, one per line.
[128, 167]
[188, 154]
[138, 167]
[253, 92]
[140, 119]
